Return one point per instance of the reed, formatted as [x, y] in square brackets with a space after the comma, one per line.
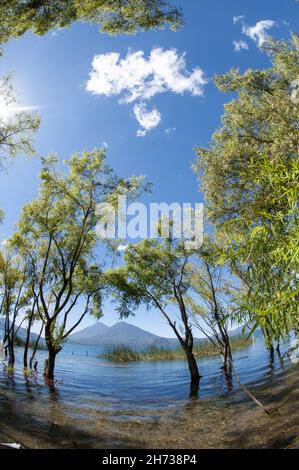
[126, 353]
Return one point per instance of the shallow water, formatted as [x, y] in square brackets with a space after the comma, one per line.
[93, 395]
[87, 381]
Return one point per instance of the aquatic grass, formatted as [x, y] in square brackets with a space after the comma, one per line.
[122, 354]
[127, 353]
[28, 372]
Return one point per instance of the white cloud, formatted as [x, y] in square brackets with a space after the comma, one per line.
[240, 45]
[169, 130]
[141, 133]
[236, 19]
[104, 144]
[137, 77]
[147, 119]
[258, 32]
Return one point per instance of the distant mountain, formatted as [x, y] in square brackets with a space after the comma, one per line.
[21, 335]
[122, 333]
[244, 331]
[93, 334]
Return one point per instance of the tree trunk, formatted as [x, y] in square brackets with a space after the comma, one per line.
[225, 355]
[224, 358]
[269, 343]
[11, 348]
[10, 338]
[35, 347]
[270, 348]
[26, 347]
[6, 336]
[193, 368]
[227, 364]
[278, 347]
[11, 352]
[50, 364]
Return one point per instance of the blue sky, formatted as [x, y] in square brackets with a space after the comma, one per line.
[51, 73]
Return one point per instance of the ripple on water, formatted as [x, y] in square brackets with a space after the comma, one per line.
[88, 384]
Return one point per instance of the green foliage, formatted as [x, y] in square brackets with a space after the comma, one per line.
[112, 16]
[13, 282]
[250, 176]
[16, 128]
[155, 274]
[14, 290]
[57, 233]
[212, 287]
[152, 271]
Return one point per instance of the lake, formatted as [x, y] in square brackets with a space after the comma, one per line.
[90, 390]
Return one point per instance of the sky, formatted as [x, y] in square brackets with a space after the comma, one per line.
[148, 98]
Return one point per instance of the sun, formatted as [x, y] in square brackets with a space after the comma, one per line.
[5, 110]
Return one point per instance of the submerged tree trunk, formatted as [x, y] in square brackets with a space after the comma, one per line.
[35, 347]
[278, 347]
[269, 343]
[28, 332]
[226, 356]
[11, 345]
[187, 346]
[188, 341]
[194, 374]
[11, 352]
[50, 364]
[193, 368]
[224, 353]
[6, 335]
[27, 341]
[49, 368]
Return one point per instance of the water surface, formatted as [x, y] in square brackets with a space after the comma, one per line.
[104, 401]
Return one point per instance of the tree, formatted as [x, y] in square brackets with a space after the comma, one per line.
[57, 231]
[211, 305]
[112, 16]
[250, 178]
[210, 301]
[14, 298]
[16, 125]
[30, 316]
[155, 274]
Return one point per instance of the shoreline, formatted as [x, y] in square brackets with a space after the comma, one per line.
[230, 421]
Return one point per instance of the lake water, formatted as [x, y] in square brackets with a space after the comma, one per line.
[84, 379]
[92, 392]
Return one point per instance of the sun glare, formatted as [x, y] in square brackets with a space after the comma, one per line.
[5, 110]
